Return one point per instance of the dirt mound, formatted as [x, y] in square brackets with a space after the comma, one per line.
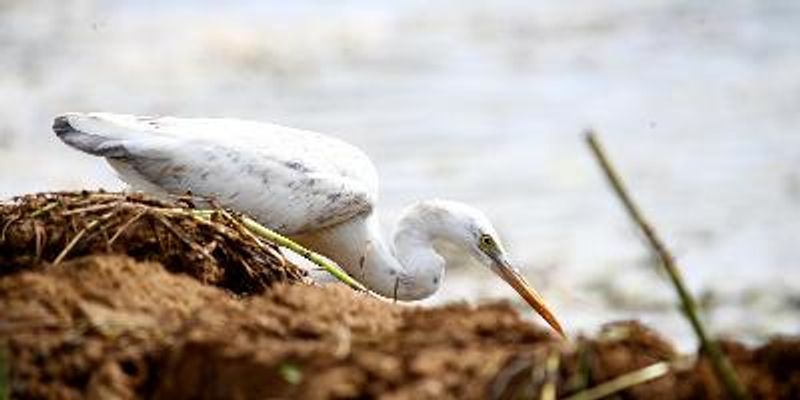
[111, 327]
[48, 228]
[89, 326]
[102, 326]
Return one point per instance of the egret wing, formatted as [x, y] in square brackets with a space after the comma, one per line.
[290, 180]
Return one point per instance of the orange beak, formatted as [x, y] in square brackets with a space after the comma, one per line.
[518, 282]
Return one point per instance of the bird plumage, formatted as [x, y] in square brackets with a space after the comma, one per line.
[291, 180]
[315, 188]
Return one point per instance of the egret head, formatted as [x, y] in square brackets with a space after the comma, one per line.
[470, 229]
[494, 256]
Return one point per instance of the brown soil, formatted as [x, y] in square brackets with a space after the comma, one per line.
[109, 326]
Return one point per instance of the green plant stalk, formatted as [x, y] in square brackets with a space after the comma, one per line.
[722, 366]
[622, 382]
[280, 240]
[283, 241]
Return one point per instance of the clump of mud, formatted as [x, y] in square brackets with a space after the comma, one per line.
[102, 327]
[113, 326]
[110, 327]
[37, 231]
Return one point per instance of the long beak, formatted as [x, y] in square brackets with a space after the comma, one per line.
[518, 282]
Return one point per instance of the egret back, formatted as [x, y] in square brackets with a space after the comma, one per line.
[291, 180]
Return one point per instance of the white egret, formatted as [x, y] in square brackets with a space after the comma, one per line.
[316, 189]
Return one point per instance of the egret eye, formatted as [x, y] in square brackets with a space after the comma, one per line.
[486, 241]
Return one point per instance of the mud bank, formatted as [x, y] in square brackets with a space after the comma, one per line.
[145, 324]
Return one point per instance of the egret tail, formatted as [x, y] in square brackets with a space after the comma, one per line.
[99, 134]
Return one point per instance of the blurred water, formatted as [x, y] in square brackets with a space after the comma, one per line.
[698, 102]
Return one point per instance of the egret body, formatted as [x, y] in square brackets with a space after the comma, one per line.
[316, 189]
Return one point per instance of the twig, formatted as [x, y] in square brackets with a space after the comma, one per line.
[8, 224]
[91, 225]
[39, 236]
[91, 208]
[74, 241]
[126, 225]
[249, 234]
[623, 382]
[183, 237]
[722, 366]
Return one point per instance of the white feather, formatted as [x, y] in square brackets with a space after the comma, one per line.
[291, 180]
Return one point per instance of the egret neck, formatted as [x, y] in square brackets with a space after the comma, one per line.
[411, 270]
